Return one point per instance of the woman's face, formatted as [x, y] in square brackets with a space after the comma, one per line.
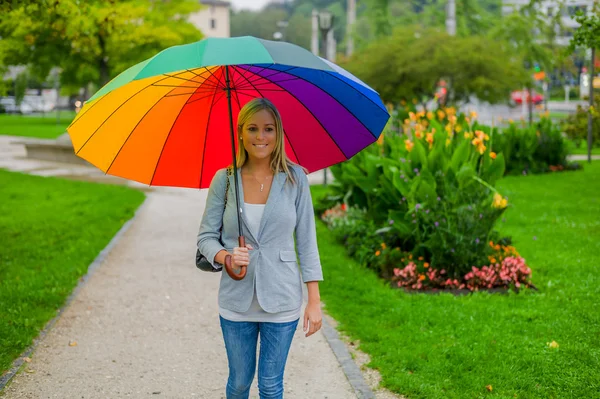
[259, 135]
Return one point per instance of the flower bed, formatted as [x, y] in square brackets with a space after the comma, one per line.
[420, 208]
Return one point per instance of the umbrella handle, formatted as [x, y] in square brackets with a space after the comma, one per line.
[229, 268]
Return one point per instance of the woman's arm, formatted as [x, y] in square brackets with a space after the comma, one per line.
[212, 220]
[306, 233]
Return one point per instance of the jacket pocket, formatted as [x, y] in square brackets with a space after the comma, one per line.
[287, 256]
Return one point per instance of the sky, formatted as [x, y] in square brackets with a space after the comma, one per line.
[248, 4]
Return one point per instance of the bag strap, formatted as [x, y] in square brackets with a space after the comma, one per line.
[229, 173]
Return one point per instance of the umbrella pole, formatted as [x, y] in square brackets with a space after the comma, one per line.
[241, 239]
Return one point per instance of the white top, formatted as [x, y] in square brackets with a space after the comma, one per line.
[255, 313]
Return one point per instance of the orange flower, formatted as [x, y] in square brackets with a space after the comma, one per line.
[410, 256]
[425, 265]
[420, 258]
[409, 145]
[421, 277]
[492, 244]
[377, 253]
[383, 245]
[493, 155]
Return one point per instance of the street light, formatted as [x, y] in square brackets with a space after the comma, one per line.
[325, 19]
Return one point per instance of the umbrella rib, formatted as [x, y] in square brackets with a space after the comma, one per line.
[111, 114]
[104, 96]
[335, 75]
[201, 98]
[291, 146]
[338, 101]
[206, 139]
[273, 81]
[164, 144]
[237, 99]
[219, 83]
[268, 76]
[133, 130]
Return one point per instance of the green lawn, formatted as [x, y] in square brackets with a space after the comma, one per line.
[583, 150]
[50, 232]
[38, 126]
[442, 346]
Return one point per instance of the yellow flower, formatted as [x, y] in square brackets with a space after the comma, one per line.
[419, 134]
[458, 128]
[410, 256]
[493, 155]
[412, 116]
[441, 114]
[402, 102]
[407, 121]
[452, 118]
[468, 120]
[553, 344]
[473, 114]
[409, 145]
[430, 115]
[481, 148]
[511, 121]
[429, 139]
[467, 135]
[499, 202]
[377, 253]
[415, 101]
[383, 245]
[448, 142]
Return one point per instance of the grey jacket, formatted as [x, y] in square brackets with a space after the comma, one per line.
[273, 267]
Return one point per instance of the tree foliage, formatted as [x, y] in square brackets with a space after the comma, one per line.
[91, 41]
[410, 63]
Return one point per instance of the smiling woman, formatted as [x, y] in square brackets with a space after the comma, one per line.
[276, 207]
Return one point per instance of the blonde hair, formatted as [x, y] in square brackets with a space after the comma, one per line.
[279, 160]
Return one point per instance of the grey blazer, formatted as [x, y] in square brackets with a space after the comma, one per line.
[273, 267]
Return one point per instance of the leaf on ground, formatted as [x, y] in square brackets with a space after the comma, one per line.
[72, 343]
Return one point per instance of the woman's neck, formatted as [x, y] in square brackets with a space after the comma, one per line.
[260, 167]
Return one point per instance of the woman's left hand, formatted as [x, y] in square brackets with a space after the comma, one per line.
[312, 318]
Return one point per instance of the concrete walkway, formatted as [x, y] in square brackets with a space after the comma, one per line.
[145, 323]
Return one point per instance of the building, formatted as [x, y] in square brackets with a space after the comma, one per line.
[213, 19]
[551, 8]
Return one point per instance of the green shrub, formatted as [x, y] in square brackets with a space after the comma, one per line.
[576, 125]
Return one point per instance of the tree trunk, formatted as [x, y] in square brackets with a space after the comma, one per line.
[590, 116]
[102, 64]
[530, 105]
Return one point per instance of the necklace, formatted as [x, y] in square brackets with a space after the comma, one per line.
[262, 185]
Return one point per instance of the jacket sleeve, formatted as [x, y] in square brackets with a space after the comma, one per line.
[306, 233]
[208, 239]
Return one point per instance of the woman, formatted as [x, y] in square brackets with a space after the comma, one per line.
[277, 204]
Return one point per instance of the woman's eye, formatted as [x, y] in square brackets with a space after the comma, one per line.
[270, 129]
[252, 129]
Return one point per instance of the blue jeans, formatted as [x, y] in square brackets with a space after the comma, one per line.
[241, 339]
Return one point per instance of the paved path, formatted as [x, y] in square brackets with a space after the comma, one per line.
[145, 324]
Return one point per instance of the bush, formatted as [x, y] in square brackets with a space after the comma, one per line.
[576, 125]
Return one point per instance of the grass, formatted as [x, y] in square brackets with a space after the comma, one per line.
[582, 150]
[442, 346]
[44, 127]
[51, 230]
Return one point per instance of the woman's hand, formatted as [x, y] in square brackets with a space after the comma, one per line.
[312, 318]
[241, 256]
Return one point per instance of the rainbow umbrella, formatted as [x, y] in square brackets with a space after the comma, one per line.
[168, 121]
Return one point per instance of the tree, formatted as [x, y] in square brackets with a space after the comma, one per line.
[92, 41]
[588, 36]
[409, 64]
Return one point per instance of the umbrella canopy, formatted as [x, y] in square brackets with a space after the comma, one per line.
[166, 120]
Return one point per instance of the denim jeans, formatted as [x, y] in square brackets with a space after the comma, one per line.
[241, 339]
